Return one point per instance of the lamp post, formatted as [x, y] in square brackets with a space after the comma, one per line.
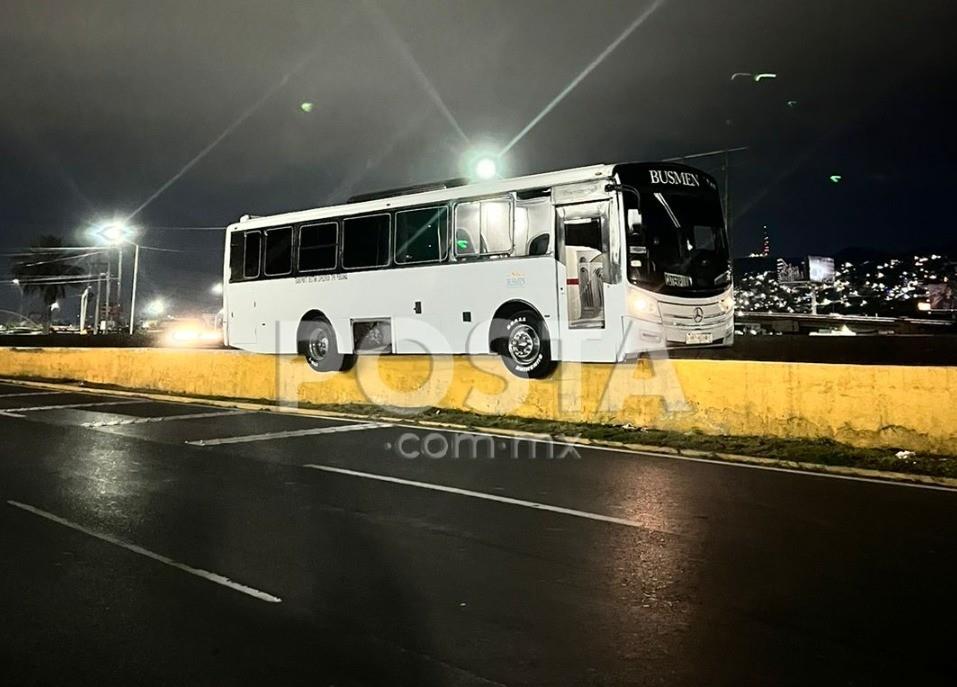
[84, 302]
[96, 309]
[136, 271]
[16, 282]
[116, 234]
[725, 153]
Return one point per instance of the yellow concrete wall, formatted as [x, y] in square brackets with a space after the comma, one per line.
[863, 405]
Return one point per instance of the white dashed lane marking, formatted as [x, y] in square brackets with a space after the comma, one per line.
[32, 409]
[163, 418]
[165, 560]
[32, 393]
[481, 495]
[287, 434]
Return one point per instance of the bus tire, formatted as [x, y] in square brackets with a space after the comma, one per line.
[525, 347]
[318, 344]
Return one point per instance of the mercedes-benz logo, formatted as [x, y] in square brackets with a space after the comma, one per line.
[698, 314]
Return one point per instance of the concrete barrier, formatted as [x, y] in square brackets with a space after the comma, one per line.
[863, 405]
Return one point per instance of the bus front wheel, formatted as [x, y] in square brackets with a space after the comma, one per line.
[317, 342]
[525, 347]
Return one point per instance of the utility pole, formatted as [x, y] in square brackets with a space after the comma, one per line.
[96, 312]
[725, 153]
[727, 191]
[106, 309]
[136, 271]
[84, 300]
[119, 282]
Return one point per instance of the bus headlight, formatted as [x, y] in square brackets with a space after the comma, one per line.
[726, 304]
[644, 306]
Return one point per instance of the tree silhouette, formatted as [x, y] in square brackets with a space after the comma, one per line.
[44, 272]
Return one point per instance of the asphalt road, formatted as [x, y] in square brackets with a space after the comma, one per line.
[148, 542]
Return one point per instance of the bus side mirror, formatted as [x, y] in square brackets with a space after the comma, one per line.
[634, 222]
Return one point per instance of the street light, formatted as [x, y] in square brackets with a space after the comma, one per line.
[117, 233]
[156, 307]
[486, 168]
[114, 233]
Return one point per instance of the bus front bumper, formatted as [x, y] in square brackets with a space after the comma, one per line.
[641, 336]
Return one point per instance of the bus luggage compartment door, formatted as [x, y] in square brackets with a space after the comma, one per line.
[242, 316]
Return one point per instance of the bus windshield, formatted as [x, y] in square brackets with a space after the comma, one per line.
[685, 236]
[682, 247]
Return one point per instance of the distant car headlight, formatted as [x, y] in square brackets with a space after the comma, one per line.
[185, 335]
[211, 336]
[726, 304]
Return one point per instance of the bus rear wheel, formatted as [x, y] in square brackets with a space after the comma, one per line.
[317, 342]
[525, 347]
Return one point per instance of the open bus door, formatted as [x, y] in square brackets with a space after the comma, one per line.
[583, 245]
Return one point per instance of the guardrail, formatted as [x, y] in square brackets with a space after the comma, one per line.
[797, 323]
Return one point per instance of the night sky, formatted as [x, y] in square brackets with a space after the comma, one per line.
[106, 102]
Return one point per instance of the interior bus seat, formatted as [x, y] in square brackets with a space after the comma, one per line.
[539, 245]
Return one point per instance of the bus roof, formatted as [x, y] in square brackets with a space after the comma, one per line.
[484, 188]
[453, 189]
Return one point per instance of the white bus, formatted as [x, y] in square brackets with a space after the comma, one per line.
[594, 264]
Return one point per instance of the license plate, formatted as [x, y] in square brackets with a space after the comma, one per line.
[698, 338]
[677, 279]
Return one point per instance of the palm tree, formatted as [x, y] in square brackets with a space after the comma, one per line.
[45, 273]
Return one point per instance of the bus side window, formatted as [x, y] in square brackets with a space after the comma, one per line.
[365, 241]
[318, 246]
[278, 251]
[236, 256]
[252, 251]
[534, 226]
[483, 227]
[466, 229]
[496, 236]
[421, 235]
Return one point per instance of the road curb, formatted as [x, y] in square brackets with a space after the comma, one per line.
[948, 483]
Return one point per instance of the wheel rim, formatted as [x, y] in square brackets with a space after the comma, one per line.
[318, 344]
[524, 343]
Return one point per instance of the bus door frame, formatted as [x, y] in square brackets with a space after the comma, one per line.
[581, 340]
